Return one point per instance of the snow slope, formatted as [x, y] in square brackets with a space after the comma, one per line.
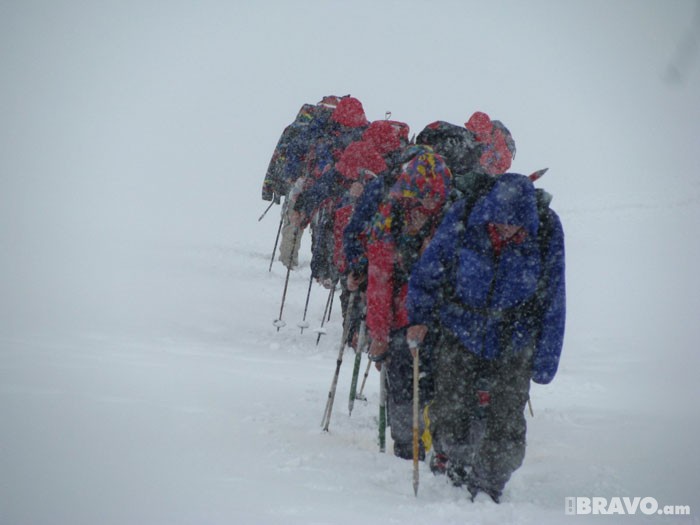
[204, 413]
[141, 379]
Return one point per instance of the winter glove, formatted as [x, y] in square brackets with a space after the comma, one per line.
[378, 352]
[354, 281]
[267, 193]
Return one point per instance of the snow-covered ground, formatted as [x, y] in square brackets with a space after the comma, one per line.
[141, 378]
[187, 406]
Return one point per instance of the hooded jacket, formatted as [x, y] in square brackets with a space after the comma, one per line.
[283, 169]
[496, 303]
[345, 126]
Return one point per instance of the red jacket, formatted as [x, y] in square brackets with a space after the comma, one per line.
[387, 288]
[386, 305]
[356, 157]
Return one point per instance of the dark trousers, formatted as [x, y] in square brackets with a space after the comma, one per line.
[477, 415]
[400, 388]
[322, 243]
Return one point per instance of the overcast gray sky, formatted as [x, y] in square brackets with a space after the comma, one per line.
[139, 121]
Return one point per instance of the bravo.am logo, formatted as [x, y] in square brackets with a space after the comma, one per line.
[621, 505]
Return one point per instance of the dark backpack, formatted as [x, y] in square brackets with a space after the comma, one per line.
[534, 309]
[456, 144]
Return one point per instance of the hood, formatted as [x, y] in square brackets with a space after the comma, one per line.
[511, 201]
[456, 144]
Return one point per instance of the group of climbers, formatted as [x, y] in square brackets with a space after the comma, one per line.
[446, 251]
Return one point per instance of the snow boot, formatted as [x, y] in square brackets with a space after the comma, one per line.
[495, 495]
[438, 464]
[458, 474]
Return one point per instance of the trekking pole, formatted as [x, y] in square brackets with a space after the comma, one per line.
[277, 238]
[529, 405]
[415, 420]
[364, 380]
[266, 210]
[382, 408]
[325, 422]
[356, 369]
[304, 323]
[330, 307]
[279, 323]
[353, 383]
[323, 319]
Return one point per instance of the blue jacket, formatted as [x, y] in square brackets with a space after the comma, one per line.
[496, 304]
[304, 141]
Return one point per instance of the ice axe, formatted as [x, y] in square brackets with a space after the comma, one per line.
[413, 345]
[535, 175]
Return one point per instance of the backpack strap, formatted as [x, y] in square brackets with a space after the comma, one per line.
[533, 307]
